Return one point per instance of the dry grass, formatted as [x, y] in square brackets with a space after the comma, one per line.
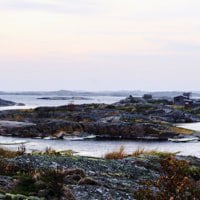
[182, 130]
[119, 154]
[154, 152]
[139, 151]
[49, 151]
[175, 182]
[6, 153]
[67, 153]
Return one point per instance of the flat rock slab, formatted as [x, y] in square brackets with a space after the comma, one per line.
[14, 124]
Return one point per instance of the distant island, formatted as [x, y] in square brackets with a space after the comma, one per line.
[122, 93]
[63, 98]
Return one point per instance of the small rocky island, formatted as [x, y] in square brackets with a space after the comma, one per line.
[131, 118]
[57, 98]
[9, 103]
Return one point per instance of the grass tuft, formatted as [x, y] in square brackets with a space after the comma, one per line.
[119, 154]
[142, 151]
[5, 153]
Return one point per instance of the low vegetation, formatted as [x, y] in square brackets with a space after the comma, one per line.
[120, 154]
[6, 153]
[46, 183]
[164, 177]
[52, 152]
[180, 130]
[176, 182]
[178, 179]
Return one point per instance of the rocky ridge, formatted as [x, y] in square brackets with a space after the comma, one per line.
[132, 118]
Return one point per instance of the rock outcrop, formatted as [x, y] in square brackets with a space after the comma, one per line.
[83, 178]
[132, 118]
[9, 103]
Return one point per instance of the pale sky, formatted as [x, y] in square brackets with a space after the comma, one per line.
[99, 45]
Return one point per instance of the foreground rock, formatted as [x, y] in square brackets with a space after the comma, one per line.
[82, 178]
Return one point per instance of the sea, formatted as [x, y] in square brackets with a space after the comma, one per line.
[34, 101]
[91, 148]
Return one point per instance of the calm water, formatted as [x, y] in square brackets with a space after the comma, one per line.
[31, 101]
[192, 126]
[99, 148]
[94, 148]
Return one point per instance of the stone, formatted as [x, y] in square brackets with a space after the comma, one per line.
[87, 181]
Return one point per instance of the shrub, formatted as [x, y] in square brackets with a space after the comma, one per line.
[174, 183]
[54, 180]
[25, 185]
[49, 180]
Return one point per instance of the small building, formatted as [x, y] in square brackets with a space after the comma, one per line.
[187, 94]
[180, 100]
[147, 96]
[183, 100]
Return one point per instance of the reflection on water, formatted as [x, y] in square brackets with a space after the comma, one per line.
[99, 148]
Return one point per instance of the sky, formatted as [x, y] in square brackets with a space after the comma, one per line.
[99, 45]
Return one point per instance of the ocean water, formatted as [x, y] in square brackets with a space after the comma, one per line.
[32, 101]
[191, 126]
[100, 148]
[92, 147]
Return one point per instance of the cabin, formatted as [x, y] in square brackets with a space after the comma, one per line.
[183, 100]
[187, 94]
[180, 100]
[147, 96]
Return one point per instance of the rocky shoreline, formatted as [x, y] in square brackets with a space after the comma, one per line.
[52, 175]
[132, 118]
[9, 103]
